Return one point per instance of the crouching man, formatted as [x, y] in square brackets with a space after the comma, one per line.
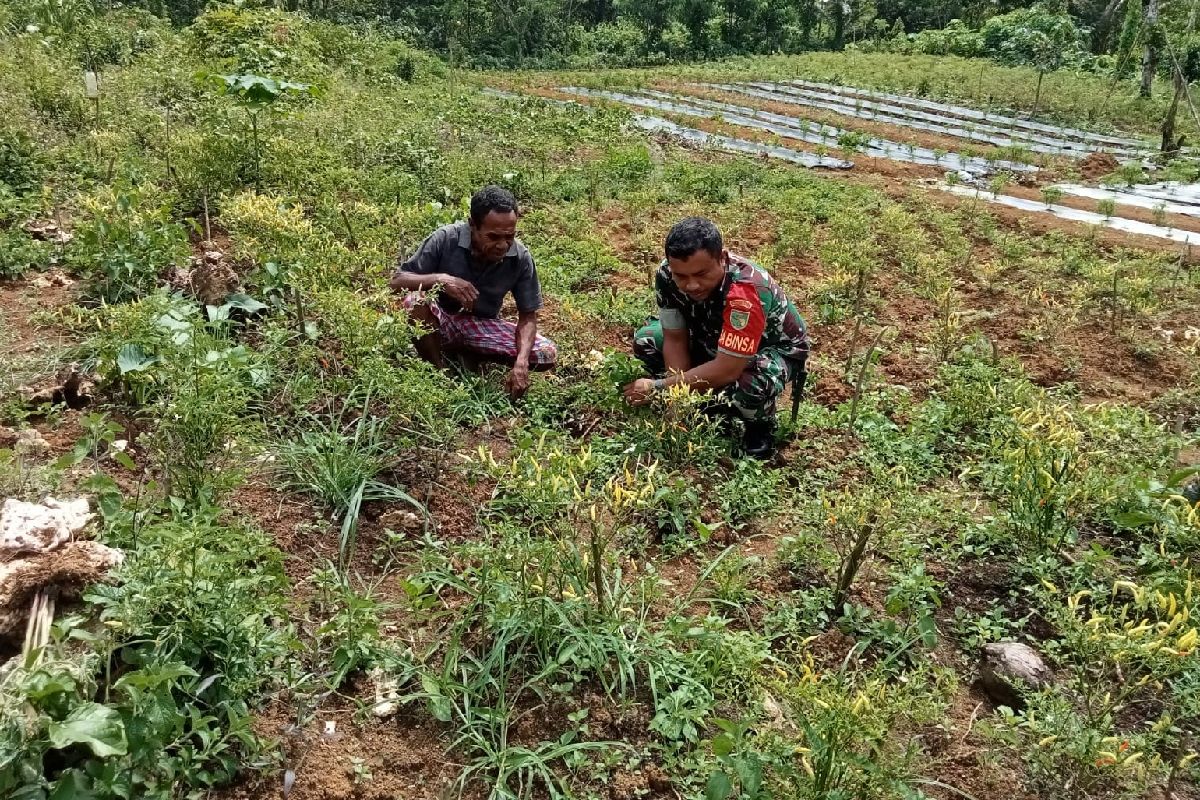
[723, 324]
[474, 264]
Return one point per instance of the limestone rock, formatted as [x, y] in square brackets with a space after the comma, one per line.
[30, 442]
[47, 230]
[39, 527]
[387, 694]
[1008, 668]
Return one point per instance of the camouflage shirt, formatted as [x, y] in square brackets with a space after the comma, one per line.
[747, 313]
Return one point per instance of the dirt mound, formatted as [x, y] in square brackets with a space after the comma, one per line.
[1096, 165]
[69, 569]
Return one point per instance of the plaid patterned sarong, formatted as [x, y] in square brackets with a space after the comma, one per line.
[494, 339]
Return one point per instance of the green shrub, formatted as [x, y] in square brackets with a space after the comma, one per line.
[956, 39]
[154, 703]
[262, 41]
[123, 244]
[20, 167]
[19, 253]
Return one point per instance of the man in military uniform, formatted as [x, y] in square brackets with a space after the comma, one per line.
[723, 324]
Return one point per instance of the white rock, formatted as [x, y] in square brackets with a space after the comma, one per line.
[1007, 668]
[387, 694]
[38, 528]
[31, 442]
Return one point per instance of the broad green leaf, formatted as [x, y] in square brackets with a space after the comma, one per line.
[719, 787]
[440, 708]
[749, 772]
[927, 627]
[1134, 519]
[1179, 476]
[131, 358]
[244, 302]
[99, 727]
[123, 459]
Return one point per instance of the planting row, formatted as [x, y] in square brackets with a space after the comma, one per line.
[1075, 214]
[985, 133]
[731, 144]
[801, 130]
[965, 112]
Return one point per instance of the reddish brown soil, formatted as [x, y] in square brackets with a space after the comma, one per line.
[1096, 165]
[404, 756]
[19, 335]
[299, 528]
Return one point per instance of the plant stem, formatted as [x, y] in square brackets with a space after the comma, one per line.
[853, 344]
[854, 560]
[257, 153]
[597, 569]
[862, 375]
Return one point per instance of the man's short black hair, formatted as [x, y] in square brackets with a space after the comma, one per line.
[489, 199]
[692, 234]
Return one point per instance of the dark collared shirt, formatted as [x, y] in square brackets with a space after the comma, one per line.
[448, 250]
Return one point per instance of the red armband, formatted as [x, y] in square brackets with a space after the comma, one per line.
[745, 322]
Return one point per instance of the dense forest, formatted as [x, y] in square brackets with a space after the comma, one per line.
[1122, 36]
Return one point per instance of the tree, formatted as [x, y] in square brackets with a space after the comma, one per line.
[1043, 37]
[839, 10]
[256, 94]
[1150, 49]
[1183, 72]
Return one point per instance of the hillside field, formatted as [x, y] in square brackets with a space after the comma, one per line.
[347, 574]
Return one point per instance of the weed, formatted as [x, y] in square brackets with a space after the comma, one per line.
[334, 456]
[124, 244]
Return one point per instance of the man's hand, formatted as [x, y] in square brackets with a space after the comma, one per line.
[462, 291]
[639, 392]
[517, 382]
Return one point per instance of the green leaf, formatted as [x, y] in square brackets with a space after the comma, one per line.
[131, 358]
[722, 745]
[1179, 476]
[245, 302]
[749, 772]
[927, 627]
[97, 726]
[1134, 519]
[719, 787]
[122, 458]
[440, 708]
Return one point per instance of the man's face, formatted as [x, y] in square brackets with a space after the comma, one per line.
[492, 237]
[699, 274]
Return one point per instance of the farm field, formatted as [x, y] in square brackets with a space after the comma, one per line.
[338, 572]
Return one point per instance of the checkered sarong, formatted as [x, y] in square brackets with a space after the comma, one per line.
[494, 339]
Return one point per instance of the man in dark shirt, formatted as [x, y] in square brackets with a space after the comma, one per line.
[475, 264]
[723, 324]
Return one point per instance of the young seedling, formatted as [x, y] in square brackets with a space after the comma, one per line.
[256, 94]
[998, 182]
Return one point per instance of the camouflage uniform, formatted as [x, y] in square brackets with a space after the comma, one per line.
[747, 316]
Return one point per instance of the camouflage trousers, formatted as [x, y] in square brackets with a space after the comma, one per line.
[753, 395]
